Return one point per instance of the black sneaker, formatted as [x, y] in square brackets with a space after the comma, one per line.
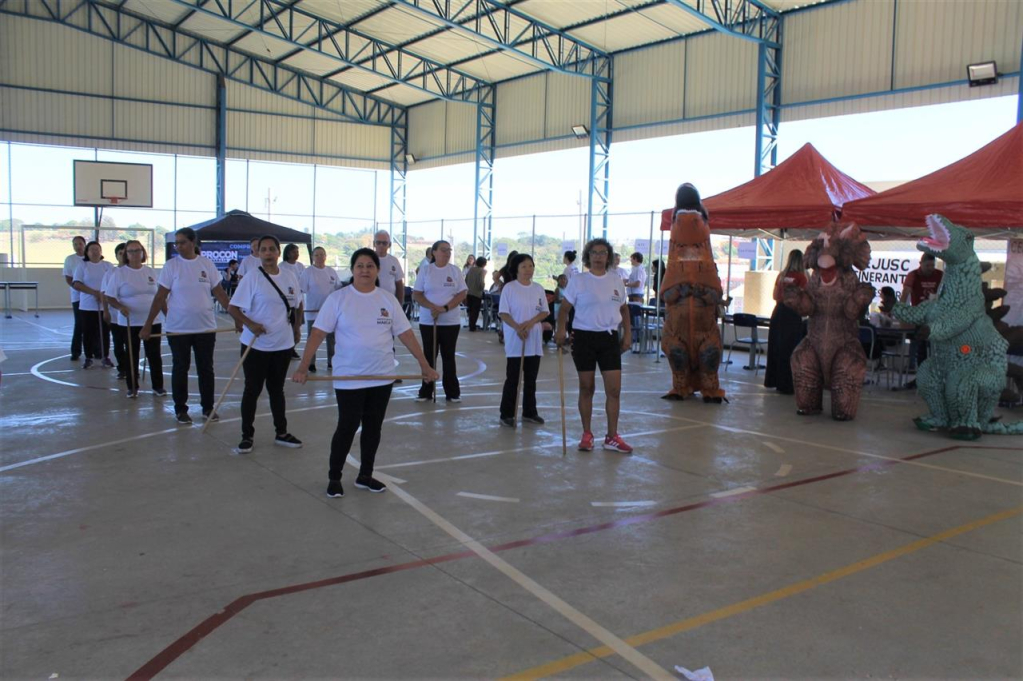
[121, 375]
[535, 418]
[245, 446]
[211, 416]
[288, 440]
[453, 400]
[295, 355]
[160, 393]
[369, 483]
[334, 489]
[74, 358]
[87, 364]
[312, 368]
[398, 380]
[510, 422]
[184, 419]
[420, 398]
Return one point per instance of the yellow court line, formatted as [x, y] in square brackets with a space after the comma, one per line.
[679, 627]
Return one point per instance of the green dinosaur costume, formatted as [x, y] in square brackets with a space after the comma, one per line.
[965, 373]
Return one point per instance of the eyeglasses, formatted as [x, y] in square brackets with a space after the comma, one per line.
[604, 253]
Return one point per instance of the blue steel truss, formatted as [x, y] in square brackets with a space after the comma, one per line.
[342, 43]
[143, 33]
[486, 143]
[746, 19]
[399, 171]
[601, 98]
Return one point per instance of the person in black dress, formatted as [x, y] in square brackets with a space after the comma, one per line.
[786, 327]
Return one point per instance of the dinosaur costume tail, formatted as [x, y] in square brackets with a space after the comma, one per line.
[999, 428]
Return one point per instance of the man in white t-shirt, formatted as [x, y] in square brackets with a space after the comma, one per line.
[392, 276]
[71, 263]
[637, 279]
[251, 262]
[188, 284]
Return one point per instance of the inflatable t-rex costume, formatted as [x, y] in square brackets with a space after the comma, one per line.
[691, 291]
[831, 356]
[965, 372]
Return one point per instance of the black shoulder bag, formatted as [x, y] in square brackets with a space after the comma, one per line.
[284, 299]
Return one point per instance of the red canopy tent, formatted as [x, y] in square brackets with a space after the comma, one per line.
[804, 192]
[983, 191]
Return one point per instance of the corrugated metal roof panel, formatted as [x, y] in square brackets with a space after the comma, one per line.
[263, 46]
[650, 84]
[403, 95]
[460, 128]
[721, 75]
[843, 50]
[397, 25]
[359, 79]
[146, 76]
[163, 10]
[675, 19]
[341, 12]
[560, 13]
[426, 126]
[311, 62]
[39, 54]
[211, 27]
[568, 104]
[335, 138]
[56, 114]
[449, 46]
[241, 96]
[936, 41]
[623, 32]
[269, 133]
[687, 127]
[520, 109]
[138, 121]
[497, 67]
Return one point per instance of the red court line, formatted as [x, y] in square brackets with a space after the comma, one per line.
[182, 645]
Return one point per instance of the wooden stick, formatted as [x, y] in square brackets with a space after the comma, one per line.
[132, 367]
[403, 377]
[145, 362]
[226, 387]
[177, 333]
[520, 386]
[436, 351]
[561, 386]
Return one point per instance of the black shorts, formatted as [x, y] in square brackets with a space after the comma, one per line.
[592, 349]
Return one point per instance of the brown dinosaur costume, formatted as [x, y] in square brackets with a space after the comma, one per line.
[831, 356]
[691, 291]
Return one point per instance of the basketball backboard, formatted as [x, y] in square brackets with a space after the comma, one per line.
[100, 183]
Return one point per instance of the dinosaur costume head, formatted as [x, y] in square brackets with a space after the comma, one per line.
[837, 250]
[947, 241]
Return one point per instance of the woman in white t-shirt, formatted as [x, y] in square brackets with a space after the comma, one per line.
[289, 262]
[130, 290]
[268, 303]
[366, 320]
[318, 282]
[570, 267]
[439, 290]
[523, 309]
[88, 280]
[599, 300]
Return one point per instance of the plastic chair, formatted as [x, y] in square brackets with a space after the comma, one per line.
[869, 338]
[742, 320]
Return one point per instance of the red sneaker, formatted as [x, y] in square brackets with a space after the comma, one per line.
[617, 444]
[586, 444]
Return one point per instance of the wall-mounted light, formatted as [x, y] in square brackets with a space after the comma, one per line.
[410, 159]
[580, 131]
[984, 73]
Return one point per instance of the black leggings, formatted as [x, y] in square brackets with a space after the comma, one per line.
[511, 386]
[131, 364]
[96, 334]
[270, 369]
[182, 347]
[447, 337]
[365, 407]
[120, 350]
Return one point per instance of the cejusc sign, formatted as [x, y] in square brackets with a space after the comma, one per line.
[890, 269]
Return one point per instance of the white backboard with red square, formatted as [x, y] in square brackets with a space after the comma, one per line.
[99, 183]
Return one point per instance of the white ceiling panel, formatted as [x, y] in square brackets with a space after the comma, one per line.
[679, 21]
[498, 66]
[623, 32]
[396, 25]
[264, 46]
[212, 28]
[403, 95]
[161, 10]
[561, 13]
[360, 80]
[450, 46]
[311, 62]
[342, 12]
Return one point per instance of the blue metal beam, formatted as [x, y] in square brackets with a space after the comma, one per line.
[119, 25]
[486, 138]
[768, 100]
[221, 137]
[399, 171]
[601, 99]
[746, 19]
[307, 31]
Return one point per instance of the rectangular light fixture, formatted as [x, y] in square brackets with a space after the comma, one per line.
[410, 159]
[580, 131]
[983, 73]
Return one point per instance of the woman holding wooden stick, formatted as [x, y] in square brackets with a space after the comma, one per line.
[365, 320]
[268, 304]
[88, 279]
[523, 309]
[439, 290]
[130, 290]
[185, 285]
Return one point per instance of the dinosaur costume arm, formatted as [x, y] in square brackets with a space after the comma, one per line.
[950, 320]
[799, 300]
[912, 314]
[859, 301]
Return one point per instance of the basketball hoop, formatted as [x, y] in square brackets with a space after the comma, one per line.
[113, 200]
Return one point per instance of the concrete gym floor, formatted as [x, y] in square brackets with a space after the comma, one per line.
[739, 537]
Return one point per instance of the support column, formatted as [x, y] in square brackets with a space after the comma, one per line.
[483, 209]
[1019, 98]
[768, 111]
[221, 137]
[399, 170]
[600, 146]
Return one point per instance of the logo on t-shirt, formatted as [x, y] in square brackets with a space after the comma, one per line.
[333, 280]
[393, 268]
[450, 279]
[383, 313]
[616, 293]
[151, 280]
[291, 291]
[202, 275]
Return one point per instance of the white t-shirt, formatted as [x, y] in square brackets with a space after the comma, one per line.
[249, 264]
[91, 274]
[295, 268]
[136, 290]
[423, 264]
[364, 327]
[440, 285]
[637, 273]
[190, 303]
[597, 301]
[71, 264]
[317, 283]
[390, 273]
[570, 271]
[256, 297]
[624, 274]
[116, 318]
[523, 303]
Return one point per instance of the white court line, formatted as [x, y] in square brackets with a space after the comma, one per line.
[488, 497]
[60, 455]
[773, 447]
[622, 504]
[784, 470]
[647, 666]
[732, 492]
[56, 333]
